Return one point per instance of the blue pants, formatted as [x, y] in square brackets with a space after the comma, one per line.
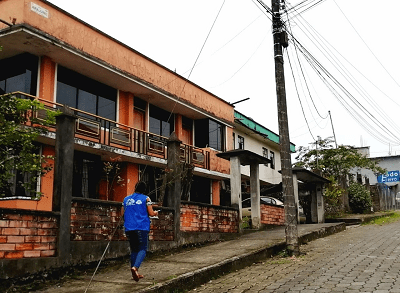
[138, 241]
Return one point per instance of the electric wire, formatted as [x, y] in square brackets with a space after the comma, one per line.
[354, 114]
[321, 71]
[301, 104]
[341, 68]
[201, 50]
[373, 54]
[244, 64]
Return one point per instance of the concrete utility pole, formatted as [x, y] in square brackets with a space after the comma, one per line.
[280, 39]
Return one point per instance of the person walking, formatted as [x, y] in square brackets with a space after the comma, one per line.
[137, 210]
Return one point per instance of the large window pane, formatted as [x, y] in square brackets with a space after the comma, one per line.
[106, 108]
[215, 135]
[16, 83]
[160, 122]
[86, 94]
[166, 128]
[20, 74]
[87, 102]
[2, 87]
[66, 94]
[154, 125]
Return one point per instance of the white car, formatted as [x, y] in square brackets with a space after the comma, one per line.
[246, 204]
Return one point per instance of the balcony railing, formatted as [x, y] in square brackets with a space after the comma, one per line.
[107, 132]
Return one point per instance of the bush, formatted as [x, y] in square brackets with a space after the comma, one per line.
[359, 198]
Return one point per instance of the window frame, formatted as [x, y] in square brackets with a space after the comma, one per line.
[272, 158]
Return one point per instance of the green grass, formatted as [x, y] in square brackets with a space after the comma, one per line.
[394, 217]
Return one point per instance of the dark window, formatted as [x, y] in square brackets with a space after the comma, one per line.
[83, 93]
[234, 141]
[160, 121]
[200, 190]
[16, 183]
[87, 175]
[19, 73]
[265, 154]
[209, 133]
[187, 123]
[154, 178]
[272, 157]
[140, 104]
[240, 142]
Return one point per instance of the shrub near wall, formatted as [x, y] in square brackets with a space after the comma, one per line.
[272, 215]
[27, 234]
[198, 217]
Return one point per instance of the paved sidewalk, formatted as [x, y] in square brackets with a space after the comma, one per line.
[362, 259]
[191, 268]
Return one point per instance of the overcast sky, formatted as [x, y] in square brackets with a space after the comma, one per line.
[355, 41]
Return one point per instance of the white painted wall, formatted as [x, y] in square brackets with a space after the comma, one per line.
[255, 142]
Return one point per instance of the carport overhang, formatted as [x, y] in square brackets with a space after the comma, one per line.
[307, 176]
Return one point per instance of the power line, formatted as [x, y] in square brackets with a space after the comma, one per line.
[366, 44]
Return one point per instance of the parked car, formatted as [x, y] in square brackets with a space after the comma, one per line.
[246, 204]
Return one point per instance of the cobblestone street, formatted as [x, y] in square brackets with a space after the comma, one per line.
[360, 259]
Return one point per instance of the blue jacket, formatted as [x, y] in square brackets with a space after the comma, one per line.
[135, 212]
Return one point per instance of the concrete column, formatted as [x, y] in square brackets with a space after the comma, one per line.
[320, 204]
[63, 175]
[314, 211]
[174, 181]
[236, 191]
[296, 195]
[255, 196]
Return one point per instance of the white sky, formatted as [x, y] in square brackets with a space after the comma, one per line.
[237, 59]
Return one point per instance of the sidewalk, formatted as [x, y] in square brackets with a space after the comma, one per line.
[191, 268]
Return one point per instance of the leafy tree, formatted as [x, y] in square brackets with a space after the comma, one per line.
[18, 152]
[334, 162]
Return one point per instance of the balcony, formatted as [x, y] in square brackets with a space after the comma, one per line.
[110, 133]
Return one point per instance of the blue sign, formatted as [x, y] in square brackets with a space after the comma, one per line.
[390, 176]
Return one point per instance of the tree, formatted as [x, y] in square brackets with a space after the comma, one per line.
[18, 151]
[334, 162]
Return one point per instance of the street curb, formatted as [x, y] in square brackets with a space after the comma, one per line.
[198, 277]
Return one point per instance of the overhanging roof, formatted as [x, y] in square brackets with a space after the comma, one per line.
[307, 176]
[246, 157]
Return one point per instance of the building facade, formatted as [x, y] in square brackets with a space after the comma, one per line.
[124, 108]
[127, 105]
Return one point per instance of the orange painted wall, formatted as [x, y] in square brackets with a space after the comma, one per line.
[47, 79]
[215, 192]
[130, 176]
[96, 44]
[178, 126]
[46, 187]
[218, 164]
[125, 108]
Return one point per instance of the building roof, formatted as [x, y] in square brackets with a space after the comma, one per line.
[260, 129]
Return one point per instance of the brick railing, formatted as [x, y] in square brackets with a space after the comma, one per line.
[93, 219]
[162, 229]
[198, 217]
[272, 215]
[27, 234]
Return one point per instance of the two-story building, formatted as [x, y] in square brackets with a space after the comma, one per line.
[124, 107]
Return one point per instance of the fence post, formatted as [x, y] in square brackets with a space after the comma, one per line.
[174, 181]
[63, 175]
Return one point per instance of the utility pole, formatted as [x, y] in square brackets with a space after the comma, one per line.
[280, 39]
[333, 130]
